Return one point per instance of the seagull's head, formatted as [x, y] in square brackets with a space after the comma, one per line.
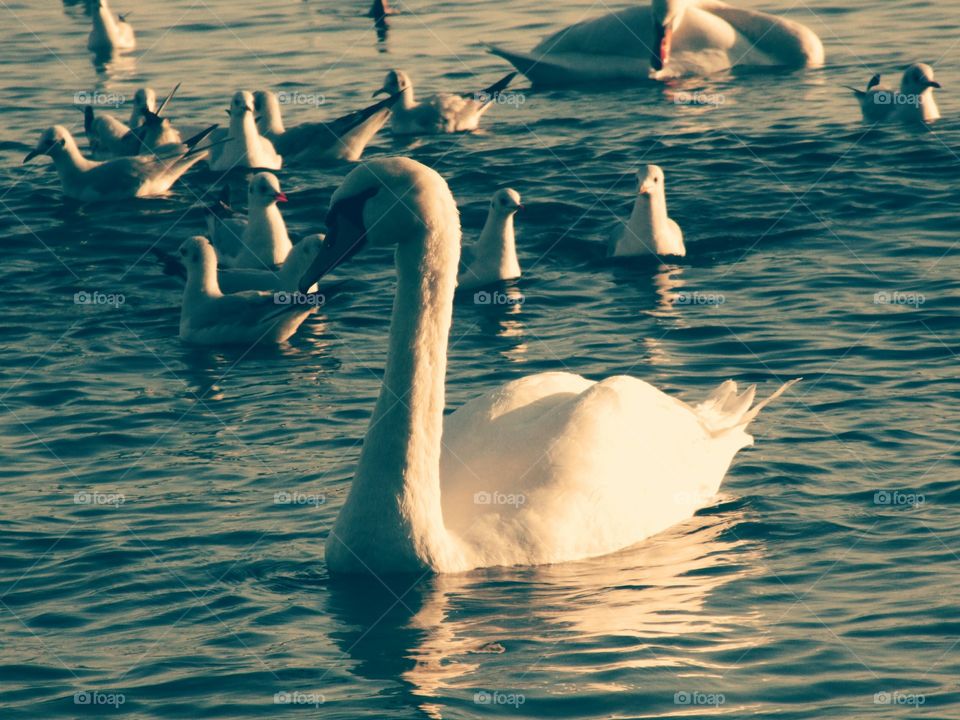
[241, 104]
[196, 253]
[264, 190]
[917, 79]
[52, 142]
[505, 201]
[396, 81]
[667, 16]
[650, 181]
[144, 99]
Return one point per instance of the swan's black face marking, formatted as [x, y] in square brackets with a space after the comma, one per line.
[346, 236]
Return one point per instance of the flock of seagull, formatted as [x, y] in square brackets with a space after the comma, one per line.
[652, 460]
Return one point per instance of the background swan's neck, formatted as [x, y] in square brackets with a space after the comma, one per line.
[393, 518]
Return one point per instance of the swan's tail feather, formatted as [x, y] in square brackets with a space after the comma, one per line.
[725, 410]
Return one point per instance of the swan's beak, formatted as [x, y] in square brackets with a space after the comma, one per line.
[342, 243]
[662, 40]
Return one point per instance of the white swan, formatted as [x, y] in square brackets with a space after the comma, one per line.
[548, 468]
[246, 147]
[259, 241]
[494, 256]
[109, 33]
[649, 230]
[441, 113]
[666, 39]
[914, 102]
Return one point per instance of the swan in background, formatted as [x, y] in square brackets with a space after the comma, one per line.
[649, 230]
[259, 241]
[125, 177]
[442, 113]
[208, 317]
[665, 39]
[109, 34]
[914, 102]
[320, 142]
[245, 146]
[494, 256]
[548, 468]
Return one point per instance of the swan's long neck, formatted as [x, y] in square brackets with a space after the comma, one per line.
[497, 246]
[393, 518]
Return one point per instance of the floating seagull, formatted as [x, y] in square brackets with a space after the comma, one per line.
[548, 468]
[320, 142]
[259, 241]
[649, 230]
[208, 317]
[494, 256]
[153, 135]
[124, 177]
[913, 103]
[246, 148]
[109, 34]
[106, 134]
[441, 113]
[666, 39]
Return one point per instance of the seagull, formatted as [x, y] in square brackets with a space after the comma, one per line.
[152, 134]
[494, 256]
[126, 177]
[247, 148]
[260, 241]
[320, 142]
[105, 132]
[208, 317]
[913, 103]
[443, 113]
[649, 230]
[109, 34]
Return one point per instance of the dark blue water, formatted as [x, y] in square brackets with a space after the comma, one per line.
[145, 561]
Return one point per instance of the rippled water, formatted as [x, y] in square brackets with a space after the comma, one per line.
[187, 591]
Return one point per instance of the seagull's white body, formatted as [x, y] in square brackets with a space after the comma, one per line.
[442, 113]
[109, 33]
[318, 142]
[260, 241]
[548, 468]
[125, 177]
[208, 317]
[107, 133]
[285, 278]
[246, 147]
[702, 37]
[913, 103]
[494, 256]
[649, 231]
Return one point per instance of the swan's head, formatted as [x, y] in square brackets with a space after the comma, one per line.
[395, 82]
[505, 202]
[52, 142]
[917, 79]
[386, 201]
[264, 190]
[241, 104]
[667, 16]
[196, 253]
[650, 182]
[266, 104]
[145, 99]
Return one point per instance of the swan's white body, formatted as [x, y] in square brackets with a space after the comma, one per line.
[549, 468]
[123, 177]
[494, 256]
[703, 37]
[208, 317]
[649, 231]
[441, 113]
[913, 103]
[261, 240]
[246, 147]
[109, 33]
